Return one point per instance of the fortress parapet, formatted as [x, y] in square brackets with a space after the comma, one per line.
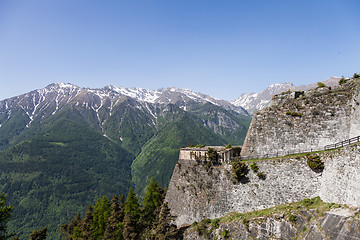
[213, 153]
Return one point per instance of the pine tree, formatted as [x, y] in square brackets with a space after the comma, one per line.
[38, 234]
[165, 229]
[5, 214]
[153, 199]
[85, 225]
[114, 226]
[131, 230]
[132, 205]
[76, 233]
[100, 217]
[68, 229]
[132, 215]
[122, 206]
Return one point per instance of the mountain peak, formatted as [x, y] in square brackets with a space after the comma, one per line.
[61, 85]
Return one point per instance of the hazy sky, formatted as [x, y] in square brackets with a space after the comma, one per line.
[222, 48]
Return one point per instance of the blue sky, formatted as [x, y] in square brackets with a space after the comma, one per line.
[222, 48]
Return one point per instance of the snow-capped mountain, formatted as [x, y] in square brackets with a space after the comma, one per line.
[57, 95]
[253, 102]
[174, 95]
[100, 107]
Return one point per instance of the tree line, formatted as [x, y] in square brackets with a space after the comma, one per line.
[119, 219]
[116, 219]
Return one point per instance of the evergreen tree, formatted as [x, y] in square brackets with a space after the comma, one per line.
[38, 234]
[153, 199]
[132, 215]
[76, 233]
[165, 229]
[132, 205]
[131, 230]
[114, 226]
[5, 214]
[122, 206]
[68, 229]
[85, 225]
[100, 217]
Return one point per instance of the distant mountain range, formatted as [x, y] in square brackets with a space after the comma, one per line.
[253, 102]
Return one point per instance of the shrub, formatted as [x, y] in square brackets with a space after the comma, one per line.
[239, 170]
[225, 233]
[261, 175]
[356, 75]
[320, 85]
[308, 202]
[254, 167]
[246, 223]
[215, 223]
[314, 162]
[342, 81]
[212, 154]
[292, 218]
[228, 146]
[200, 146]
[293, 114]
[288, 91]
[206, 221]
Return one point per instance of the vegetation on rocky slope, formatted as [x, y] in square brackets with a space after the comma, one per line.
[297, 219]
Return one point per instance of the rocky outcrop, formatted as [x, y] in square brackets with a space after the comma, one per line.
[284, 222]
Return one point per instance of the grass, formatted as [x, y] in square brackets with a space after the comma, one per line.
[290, 155]
[288, 209]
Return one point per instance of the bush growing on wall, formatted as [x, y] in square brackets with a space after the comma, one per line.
[254, 167]
[314, 162]
[228, 146]
[239, 170]
[212, 154]
[261, 175]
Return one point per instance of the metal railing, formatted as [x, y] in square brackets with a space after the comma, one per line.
[343, 143]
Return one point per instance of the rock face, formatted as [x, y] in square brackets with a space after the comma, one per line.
[341, 223]
[304, 121]
[200, 189]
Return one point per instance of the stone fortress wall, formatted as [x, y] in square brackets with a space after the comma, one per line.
[199, 190]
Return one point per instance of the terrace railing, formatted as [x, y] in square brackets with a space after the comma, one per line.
[343, 143]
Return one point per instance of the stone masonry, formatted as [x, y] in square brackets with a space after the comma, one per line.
[199, 190]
